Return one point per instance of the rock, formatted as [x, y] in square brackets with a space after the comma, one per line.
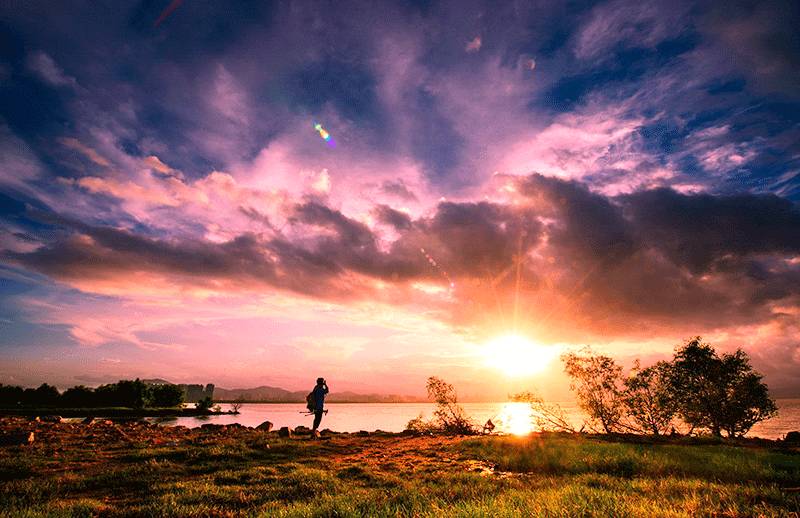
[211, 427]
[328, 431]
[35, 419]
[302, 430]
[792, 437]
[51, 419]
[108, 422]
[17, 439]
[266, 426]
[409, 431]
[362, 433]
[237, 425]
[88, 420]
[285, 432]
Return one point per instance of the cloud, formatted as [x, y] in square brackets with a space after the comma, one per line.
[653, 257]
[703, 232]
[91, 154]
[618, 25]
[45, 68]
[399, 189]
[473, 45]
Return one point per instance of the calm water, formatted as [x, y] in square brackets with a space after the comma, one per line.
[393, 417]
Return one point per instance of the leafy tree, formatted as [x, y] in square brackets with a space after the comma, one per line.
[46, 395]
[10, 396]
[649, 399]
[596, 381]
[449, 414]
[78, 397]
[718, 393]
[127, 393]
[167, 395]
[205, 404]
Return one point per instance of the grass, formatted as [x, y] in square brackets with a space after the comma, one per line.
[154, 472]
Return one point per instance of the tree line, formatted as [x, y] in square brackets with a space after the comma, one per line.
[124, 393]
[697, 391]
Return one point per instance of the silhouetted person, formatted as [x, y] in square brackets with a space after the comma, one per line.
[318, 395]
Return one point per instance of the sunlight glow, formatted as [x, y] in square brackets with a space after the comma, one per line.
[515, 418]
[517, 356]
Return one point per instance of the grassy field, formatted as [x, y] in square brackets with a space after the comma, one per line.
[138, 470]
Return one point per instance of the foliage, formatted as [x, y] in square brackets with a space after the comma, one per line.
[547, 417]
[421, 425]
[596, 381]
[649, 399]
[129, 393]
[707, 391]
[449, 414]
[718, 393]
[205, 404]
[166, 395]
[124, 393]
[77, 397]
[198, 473]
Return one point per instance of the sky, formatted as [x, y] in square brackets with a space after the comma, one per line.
[623, 175]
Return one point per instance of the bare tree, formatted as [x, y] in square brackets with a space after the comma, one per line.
[547, 417]
[237, 405]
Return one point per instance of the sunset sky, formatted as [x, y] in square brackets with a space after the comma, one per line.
[619, 174]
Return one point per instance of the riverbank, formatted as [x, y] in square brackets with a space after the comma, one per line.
[111, 412]
[144, 470]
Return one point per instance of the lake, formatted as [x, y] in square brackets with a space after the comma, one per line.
[393, 417]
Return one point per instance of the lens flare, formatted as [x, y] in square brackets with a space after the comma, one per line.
[444, 273]
[324, 134]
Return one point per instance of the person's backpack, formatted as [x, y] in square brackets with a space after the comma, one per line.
[311, 405]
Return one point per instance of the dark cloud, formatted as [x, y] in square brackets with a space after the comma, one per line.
[398, 188]
[699, 231]
[395, 218]
[762, 38]
[578, 263]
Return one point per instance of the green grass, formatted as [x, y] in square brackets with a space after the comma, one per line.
[248, 473]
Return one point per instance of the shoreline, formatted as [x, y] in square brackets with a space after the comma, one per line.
[111, 412]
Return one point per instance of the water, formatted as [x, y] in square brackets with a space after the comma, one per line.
[393, 417]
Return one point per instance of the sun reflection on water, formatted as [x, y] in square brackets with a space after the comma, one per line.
[515, 418]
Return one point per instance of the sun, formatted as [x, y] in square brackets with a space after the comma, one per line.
[517, 356]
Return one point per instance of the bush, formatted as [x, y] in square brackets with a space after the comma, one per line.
[205, 404]
[165, 395]
[449, 415]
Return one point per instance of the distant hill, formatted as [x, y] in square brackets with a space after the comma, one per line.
[267, 394]
[157, 381]
[262, 393]
[279, 395]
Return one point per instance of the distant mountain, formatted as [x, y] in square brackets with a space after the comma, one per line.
[279, 395]
[262, 393]
[267, 394]
[157, 381]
